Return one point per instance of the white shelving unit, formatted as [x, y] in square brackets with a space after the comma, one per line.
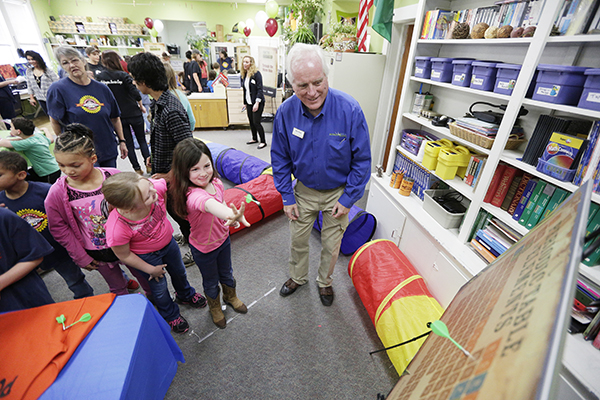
[582, 50]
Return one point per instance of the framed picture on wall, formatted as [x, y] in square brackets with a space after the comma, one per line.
[113, 28]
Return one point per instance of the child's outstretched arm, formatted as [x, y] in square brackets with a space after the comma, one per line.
[133, 260]
[232, 215]
[17, 272]
[48, 133]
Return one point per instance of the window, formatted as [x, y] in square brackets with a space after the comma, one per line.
[18, 29]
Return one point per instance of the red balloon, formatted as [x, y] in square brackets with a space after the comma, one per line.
[149, 22]
[271, 26]
[247, 31]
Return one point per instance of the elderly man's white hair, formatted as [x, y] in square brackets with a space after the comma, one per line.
[298, 55]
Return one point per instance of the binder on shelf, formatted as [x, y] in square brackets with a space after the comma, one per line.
[512, 190]
[524, 199]
[558, 197]
[519, 193]
[508, 176]
[540, 206]
[481, 250]
[484, 236]
[494, 183]
[535, 196]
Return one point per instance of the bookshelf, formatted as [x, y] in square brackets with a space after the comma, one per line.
[579, 50]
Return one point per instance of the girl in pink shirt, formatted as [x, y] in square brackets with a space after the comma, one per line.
[198, 195]
[77, 211]
[141, 236]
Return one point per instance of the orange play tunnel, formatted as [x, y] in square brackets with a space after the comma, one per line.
[395, 296]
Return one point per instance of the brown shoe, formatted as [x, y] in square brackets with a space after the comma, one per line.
[326, 295]
[288, 288]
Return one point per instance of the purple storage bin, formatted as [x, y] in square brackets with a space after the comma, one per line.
[461, 72]
[559, 84]
[590, 98]
[483, 76]
[441, 69]
[423, 67]
[506, 77]
[560, 173]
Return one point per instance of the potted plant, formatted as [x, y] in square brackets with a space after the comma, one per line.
[341, 37]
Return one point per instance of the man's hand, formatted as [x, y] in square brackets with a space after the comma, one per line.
[32, 101]
[123, 149]
[255, 107]
[291, 212]
[339, 210]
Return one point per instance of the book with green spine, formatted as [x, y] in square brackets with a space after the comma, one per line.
[539, 188]
[557, 198]
[540, 206]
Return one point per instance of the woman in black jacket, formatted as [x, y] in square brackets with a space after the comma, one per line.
[130, 102]
[254, 100]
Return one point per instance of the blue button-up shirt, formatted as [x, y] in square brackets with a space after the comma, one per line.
[323, 152]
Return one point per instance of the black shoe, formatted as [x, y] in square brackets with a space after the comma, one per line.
[288, 287]
[252, 142]
[262, 146]
[326, 295]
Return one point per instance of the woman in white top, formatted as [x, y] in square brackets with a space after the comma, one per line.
[39, 78]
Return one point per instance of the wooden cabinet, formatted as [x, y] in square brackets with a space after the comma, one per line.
[210, 113]
[235, 102]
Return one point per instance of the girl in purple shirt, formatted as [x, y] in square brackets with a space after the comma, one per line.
[198, 195]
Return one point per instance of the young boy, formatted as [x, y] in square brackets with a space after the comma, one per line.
[21, 251]
[35, 147]
[26, 199]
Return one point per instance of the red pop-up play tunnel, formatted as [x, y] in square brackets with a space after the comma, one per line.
[395, 296]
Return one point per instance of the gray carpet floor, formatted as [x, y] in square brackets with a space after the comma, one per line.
[283, 348]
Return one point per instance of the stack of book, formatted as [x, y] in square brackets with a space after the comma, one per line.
[490, 237]
[585, 315]
[438, 24]
[586, 156]
[474, 169]
[527, 199]
[578, 17]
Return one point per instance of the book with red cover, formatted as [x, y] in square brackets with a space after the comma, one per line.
[515, 200]
[494, 183]
[507, 177]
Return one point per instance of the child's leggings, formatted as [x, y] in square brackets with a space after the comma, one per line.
[117, 283]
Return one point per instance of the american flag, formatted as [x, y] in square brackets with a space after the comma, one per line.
[363, 22]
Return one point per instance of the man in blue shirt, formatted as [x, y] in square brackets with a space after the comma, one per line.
[320, 135]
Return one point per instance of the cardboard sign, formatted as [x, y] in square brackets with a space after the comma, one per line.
[511, 317]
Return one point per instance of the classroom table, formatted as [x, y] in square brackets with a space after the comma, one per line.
[130, 354]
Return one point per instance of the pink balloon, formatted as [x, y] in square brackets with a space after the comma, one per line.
[149, 22]
[247, 31]
[271, 26]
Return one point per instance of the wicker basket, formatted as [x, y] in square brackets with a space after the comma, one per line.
[480, 140]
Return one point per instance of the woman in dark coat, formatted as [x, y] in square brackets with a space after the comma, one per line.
[254, 99]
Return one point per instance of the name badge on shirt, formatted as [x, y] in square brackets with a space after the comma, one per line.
[297, 132]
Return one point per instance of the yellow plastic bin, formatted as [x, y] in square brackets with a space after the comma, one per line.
[450, 161]
[432, 149]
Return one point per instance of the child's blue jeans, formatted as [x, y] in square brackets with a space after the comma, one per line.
[171, 256]
[215, 267]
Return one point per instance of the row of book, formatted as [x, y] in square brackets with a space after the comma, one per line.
[423, 178]
[593, 224]
[487, 129]
[585, 315]
[577, 17]
[491, 237]
[474, 169]
[527, 199]
[438, 24]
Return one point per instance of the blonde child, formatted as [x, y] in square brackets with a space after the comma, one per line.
[141, 236]
[77, 210]
[198, 195]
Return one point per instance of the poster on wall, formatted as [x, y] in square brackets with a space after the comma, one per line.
[267, 65]
[155, 48]
[512, 318]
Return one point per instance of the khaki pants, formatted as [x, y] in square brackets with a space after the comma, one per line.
[310, 202]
